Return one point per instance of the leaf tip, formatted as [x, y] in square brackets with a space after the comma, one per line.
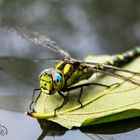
[29, 113]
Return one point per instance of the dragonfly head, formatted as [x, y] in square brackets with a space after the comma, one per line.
[51, 80]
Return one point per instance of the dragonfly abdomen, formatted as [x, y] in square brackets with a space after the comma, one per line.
[124, 58]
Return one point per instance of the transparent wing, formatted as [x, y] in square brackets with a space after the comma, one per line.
[11, 58]
[123, 77]
[109, 67]
[37, 38]
[109, 70]
[25, 69]
[18, 78]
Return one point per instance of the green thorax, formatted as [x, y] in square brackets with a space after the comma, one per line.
[73, 71]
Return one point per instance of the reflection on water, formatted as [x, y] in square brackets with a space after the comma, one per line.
[121, 130]
[81, 27]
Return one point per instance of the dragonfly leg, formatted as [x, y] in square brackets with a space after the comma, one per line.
[80, 95]
[63, 103]
[88, 84]
[33, 96]
[117, 84]
[81, 91]
[79, 98]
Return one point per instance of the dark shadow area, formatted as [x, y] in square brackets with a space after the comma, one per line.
[113, 127]
[108, 129]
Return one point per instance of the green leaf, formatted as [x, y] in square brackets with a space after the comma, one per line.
[100, 104]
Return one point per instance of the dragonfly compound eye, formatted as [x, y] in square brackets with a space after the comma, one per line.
[58, 79]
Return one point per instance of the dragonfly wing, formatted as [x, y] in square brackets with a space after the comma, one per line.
[119, 76]
[108, 67]
[11, 58]
[17, 67]
[39, 39]
[15, 102]
[109, 70]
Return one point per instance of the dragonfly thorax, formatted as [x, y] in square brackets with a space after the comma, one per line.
[51, 80]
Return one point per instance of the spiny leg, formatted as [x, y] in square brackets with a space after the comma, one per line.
[63, 103]
[88, 84]
[33, 95]
[80, 95]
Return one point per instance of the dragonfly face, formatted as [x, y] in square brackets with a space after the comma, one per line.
[51, 80]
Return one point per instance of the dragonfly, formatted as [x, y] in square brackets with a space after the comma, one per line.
[68, 71]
